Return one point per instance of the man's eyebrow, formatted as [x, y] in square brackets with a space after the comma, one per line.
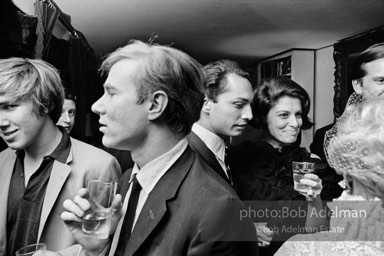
[243, 99]
[7, 102]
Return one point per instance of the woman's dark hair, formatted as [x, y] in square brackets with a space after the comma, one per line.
[267, 94]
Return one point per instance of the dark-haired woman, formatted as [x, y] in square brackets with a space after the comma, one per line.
[263, 171]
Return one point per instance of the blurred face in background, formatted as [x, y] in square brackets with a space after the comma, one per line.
[372, 84]
[68, 114]
[284, 122]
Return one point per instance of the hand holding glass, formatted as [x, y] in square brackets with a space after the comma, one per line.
[32, 249]
[299, 170]
[97, 220]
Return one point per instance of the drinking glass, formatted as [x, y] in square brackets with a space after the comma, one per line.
[31, 249]
[299, 170]
[97, 220]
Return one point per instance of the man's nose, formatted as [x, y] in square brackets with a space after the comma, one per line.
[247, 114]
[66, 117]
[98, 107]
[3, 121]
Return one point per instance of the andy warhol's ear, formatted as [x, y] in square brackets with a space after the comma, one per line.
[207, 105]
[157, 104]
[357, 86]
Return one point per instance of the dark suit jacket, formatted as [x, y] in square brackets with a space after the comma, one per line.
[316, 146]
[329, 177]
[191, 211]
[205, 153]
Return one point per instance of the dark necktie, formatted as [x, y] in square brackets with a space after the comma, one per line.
[227, 165]
[129, 217]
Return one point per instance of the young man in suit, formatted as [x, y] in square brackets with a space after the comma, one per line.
[152, 96]
[225, 113]
[43, 166]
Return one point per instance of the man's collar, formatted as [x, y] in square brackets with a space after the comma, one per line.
[213, 141]
[151, 173]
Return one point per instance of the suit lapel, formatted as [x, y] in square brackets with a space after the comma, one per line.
[156, 205]
[199, 146]
[57, 179]
[7, 166]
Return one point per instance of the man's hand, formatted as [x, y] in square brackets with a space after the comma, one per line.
[73, 218]
[264, 234]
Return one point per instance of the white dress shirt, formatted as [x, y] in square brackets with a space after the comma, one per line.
[213, 142]
[148, 176]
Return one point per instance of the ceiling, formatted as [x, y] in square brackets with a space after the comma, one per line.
[242, 30]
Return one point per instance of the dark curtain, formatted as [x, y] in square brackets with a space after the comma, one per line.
[78, 68]
[17, 32]
[23, 35]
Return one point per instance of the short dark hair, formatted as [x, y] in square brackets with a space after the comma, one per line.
[216, 76]
[22, 78]
[68, 95]
[267, 94]
[372, 53]
[170, 70]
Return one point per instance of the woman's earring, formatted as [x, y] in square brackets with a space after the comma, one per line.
[344, 184]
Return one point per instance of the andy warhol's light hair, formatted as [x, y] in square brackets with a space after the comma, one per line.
[24, 79]
[166, 69]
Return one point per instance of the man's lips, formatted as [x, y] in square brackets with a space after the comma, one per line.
[102, 127]
[7, 134]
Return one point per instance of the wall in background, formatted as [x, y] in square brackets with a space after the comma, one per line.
[324, 83]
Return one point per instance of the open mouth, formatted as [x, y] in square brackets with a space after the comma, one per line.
[7, 134]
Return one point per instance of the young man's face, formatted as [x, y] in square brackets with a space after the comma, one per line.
[372, 84]
[229, 115]
[20, 127]
[68, 114]
[123, 122]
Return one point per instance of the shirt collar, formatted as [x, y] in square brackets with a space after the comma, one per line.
[151, 173]
[60, 153]
[213, 142]
[62, 150]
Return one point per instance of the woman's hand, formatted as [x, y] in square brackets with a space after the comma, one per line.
[315, 186]
[264, 234]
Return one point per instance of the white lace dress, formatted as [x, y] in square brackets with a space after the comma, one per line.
[361, 235]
